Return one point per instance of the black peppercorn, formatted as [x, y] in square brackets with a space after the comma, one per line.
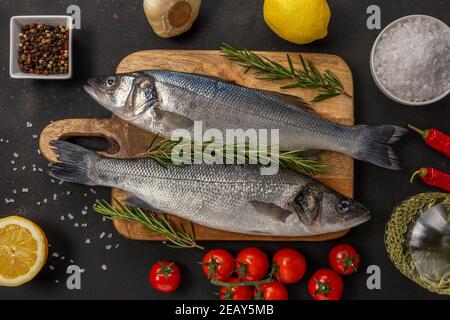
[43, 49]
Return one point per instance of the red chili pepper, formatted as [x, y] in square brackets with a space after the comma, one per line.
[433, 178]
[436, 139]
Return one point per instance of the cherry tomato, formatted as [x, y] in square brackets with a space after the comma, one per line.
[271, 291]
[344, 259]
[165, 276]
[252, 262]
[291, 265]
[236, 293]
[218, 264]
[326, 284]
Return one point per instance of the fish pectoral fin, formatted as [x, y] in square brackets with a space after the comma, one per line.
[271, 210]
[299, 102]
[172, 120]
[139, 203]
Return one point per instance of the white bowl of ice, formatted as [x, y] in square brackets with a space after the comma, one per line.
[410, 60]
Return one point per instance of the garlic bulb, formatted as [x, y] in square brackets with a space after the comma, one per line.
[170, 18]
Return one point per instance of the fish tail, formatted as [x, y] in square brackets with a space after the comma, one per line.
[376, 144]
[73, 164]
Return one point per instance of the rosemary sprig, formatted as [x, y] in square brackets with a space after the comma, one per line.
[161, 151]
[156, 223]
[307, 77]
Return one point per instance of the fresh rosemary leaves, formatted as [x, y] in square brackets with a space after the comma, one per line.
[156, 223]
[161, 152]
[307, 77]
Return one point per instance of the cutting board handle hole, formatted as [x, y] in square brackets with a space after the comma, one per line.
[96, 143]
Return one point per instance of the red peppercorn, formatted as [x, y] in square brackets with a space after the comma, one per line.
[436, 139]
[42, 47]
[433, 177]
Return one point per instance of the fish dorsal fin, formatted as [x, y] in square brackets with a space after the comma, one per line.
[271, 210]
[293, 100]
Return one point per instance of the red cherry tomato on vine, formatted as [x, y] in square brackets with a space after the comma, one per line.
[218, 264]
[252, 262]
[326, 284]
[291, 265]
[344, 259]
[165, 276]
[271, 291]
[236, 293]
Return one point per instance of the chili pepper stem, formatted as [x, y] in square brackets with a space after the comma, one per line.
[422, 172]
[423, 133]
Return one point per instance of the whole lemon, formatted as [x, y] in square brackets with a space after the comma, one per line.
[298, 21]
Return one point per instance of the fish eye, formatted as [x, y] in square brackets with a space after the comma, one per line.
[344, 206]
[111, 81]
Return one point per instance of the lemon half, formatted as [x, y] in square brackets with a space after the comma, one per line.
[298, 21]
[23, 251]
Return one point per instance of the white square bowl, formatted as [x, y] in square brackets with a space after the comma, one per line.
[16, 24]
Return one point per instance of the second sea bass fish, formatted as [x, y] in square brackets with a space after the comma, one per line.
[162, 101]
[234, 198]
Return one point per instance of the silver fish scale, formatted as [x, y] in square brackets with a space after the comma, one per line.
[215, 196]
[193, 97]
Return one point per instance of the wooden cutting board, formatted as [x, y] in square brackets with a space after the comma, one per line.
[126, 141]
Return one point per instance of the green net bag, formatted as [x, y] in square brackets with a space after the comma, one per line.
[399, 236]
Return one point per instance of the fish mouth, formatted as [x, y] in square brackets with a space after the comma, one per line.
[92, 92]
[360, 220]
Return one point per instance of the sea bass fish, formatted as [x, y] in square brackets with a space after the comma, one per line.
[234, 198]
[162, 101]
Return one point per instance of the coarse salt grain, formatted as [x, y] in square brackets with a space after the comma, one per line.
[412, 59]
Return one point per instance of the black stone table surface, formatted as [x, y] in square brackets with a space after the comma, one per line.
[112, 29]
